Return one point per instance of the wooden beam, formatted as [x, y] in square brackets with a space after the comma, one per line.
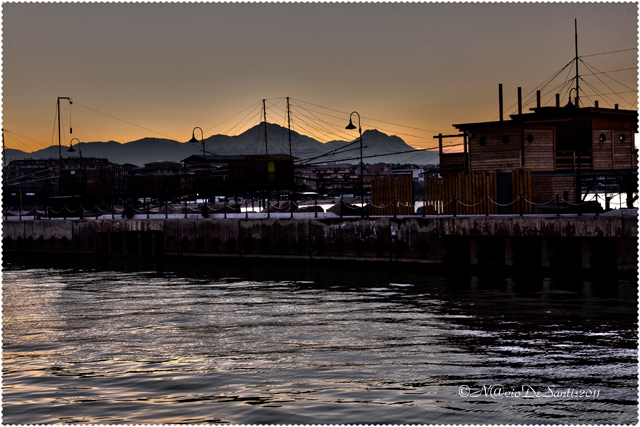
[447, 136]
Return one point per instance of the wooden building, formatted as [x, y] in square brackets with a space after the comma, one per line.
[568, 151]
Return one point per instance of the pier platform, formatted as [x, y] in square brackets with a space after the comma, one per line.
[604, 242]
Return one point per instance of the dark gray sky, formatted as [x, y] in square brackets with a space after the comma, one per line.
[160, 69]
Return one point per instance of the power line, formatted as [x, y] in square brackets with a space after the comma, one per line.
[237, 114]
[607, 53]
[373, 155]
[589, 66]
[368, 124]
[595, 90]
[369, 118]
[612, 71]
[324, 131]
[332, 152]
[116, 118]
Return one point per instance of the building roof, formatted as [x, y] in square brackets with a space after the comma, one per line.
[548, 115]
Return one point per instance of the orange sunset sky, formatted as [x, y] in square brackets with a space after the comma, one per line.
[136, 70]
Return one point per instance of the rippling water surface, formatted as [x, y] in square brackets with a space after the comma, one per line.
[204, 344]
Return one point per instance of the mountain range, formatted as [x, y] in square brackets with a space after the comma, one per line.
[385, 148]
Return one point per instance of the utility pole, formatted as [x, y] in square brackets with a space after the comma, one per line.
[293, 184]
[264, 109]
[289, 124]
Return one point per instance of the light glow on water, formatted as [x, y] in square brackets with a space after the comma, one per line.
[199, 345]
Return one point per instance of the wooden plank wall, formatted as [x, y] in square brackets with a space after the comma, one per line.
[469, 188]
[623, 157]
[452, 163]
[495, 154]
[613, 154]
[602, 151]
[521, 185]
[384, 189]
[546, 188]
[539, 153]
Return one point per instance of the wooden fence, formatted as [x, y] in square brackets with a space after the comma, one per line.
[521, 188]
[468, 193]
[392, 195]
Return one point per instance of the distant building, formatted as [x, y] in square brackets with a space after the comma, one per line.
[89, 180]
[240, 173]
[333, 179]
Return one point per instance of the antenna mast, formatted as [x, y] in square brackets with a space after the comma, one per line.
[289, 123]
[577, 75]
[264, 108]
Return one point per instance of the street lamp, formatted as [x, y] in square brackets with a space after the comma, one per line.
[193, 139]
[72, 150]
[59, 138]
[351, 126]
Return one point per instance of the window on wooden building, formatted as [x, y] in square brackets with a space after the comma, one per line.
[271, 171]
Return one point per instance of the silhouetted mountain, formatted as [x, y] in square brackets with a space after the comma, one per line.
[11, 154]
[252, 141]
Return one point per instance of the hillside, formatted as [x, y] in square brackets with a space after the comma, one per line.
[252, 141]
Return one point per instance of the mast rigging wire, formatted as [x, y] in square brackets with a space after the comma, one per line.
[607, 53]
[127, 122]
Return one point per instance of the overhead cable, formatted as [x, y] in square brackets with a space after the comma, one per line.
[124, 121]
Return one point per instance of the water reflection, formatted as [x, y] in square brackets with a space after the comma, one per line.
[195, 343]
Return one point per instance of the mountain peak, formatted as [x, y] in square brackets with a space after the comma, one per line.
[375, 133]
[378, 145]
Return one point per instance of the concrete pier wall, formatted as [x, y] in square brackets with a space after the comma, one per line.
[585, 242]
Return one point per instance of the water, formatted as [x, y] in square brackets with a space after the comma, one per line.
[89, 343]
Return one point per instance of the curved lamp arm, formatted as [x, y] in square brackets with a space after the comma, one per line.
[71, 149]
[193, 135]
[350, 125]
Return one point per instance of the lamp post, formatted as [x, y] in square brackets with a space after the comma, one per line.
[72, 150]
[193, 139]
[350, 126]
[59, 139]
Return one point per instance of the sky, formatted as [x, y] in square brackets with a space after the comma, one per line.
[135, 70]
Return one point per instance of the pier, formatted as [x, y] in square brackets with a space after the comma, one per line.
[577, 242]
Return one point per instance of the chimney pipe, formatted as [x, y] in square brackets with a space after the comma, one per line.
[500, 99]
[596, 104]
[520, 101]
[538, 99]
[616, 106]
[557, 100]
